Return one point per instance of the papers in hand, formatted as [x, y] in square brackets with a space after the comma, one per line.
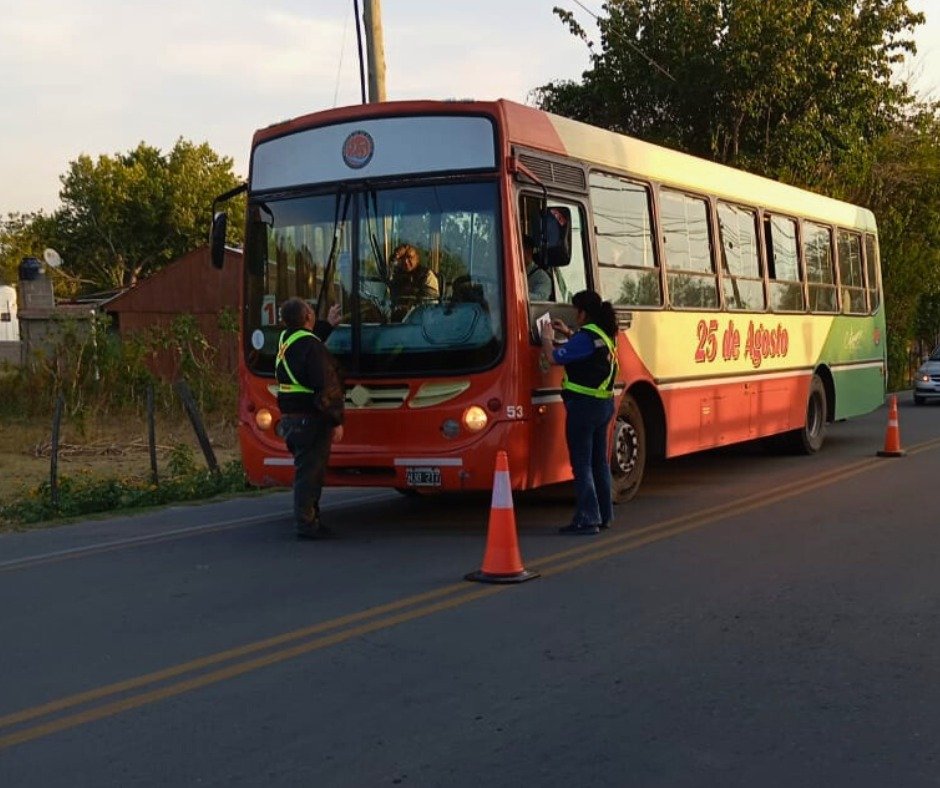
[541, 321]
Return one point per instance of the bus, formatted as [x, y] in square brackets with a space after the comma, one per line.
[747, 308]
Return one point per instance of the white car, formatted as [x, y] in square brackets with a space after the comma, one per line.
[927, 379]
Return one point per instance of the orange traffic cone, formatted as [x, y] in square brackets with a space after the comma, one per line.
[892, 433]
[502, 562]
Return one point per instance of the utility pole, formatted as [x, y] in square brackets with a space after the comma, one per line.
[375, 49]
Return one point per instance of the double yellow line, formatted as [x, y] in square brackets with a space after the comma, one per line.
[112, 699]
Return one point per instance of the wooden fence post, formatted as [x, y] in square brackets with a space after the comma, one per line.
[54, 451]
[151, 436]
[186, 396]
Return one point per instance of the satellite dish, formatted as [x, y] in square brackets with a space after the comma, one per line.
[52, 258]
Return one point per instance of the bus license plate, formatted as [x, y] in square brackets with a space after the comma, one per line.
[423, 477]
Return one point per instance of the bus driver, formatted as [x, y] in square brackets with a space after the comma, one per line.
[412, 283]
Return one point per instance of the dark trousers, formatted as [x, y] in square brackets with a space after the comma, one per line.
[308, 439]
[586, 432]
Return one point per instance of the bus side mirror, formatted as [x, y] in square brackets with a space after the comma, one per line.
[217, 240]
[556, 238]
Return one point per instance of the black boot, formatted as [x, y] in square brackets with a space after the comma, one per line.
[314, 529]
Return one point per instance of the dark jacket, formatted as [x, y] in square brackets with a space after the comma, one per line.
[591, 362]
[414, 287]
[315, 368]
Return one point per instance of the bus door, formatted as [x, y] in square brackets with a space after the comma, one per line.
[548, 460]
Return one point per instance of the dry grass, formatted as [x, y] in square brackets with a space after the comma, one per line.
[101, 448]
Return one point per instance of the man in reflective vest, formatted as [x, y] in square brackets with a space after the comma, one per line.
[310, 397]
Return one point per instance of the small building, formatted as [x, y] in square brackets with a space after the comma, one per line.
[9, 326]
[187, 286]
[43, 322]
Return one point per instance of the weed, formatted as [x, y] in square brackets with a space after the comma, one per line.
[182, 460]
[84, 496]
[97, 371]
[104, 380]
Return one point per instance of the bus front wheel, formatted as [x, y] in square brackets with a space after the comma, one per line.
[628, 451]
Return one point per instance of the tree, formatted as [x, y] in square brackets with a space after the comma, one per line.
[802, 91]
[23, 235]
[125, 216]
[787, 89]
[899, 179]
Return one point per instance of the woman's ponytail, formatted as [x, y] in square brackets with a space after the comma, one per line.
[607, 320]
[601, 313]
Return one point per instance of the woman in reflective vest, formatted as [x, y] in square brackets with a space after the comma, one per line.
[590, 360]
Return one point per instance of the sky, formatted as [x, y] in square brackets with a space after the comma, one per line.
[98, 77]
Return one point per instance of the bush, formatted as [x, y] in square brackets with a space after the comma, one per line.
[97, 371]
[79, 497]
[104, 380]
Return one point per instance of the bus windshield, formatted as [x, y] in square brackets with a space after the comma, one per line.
[416, 270]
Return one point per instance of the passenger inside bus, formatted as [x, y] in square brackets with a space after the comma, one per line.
[467, 291]
[412, 283]
[540, 280]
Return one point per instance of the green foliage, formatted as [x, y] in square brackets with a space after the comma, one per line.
[228, 321]
[97, 371]
[899, 179]
[927, 322]
[182, 460]
[124, 216]
[25, 235]
[193, 358]
[78, 497]
[804, 92]
[788, 88]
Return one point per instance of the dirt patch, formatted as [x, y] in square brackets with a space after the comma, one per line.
[110, 448]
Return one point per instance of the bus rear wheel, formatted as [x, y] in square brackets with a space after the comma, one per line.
[628, 451]
[809, 438]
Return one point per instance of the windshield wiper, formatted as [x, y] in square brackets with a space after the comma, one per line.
[372, 218]
[342, 198]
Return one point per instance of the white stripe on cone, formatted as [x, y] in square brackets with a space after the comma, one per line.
[502, 491]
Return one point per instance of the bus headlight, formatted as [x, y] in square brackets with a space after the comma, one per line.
[474, 418]
[264, 419]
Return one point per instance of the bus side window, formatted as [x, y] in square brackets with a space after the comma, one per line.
[623, 230]
[742, 281]
[567, 280]
[820, 276]
[530, 230]
[783, 264]
[687, 246]
[871, 271]
[851, 276]
[572, 278]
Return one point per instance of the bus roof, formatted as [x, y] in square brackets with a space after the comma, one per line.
[606, 150]
[673, 168]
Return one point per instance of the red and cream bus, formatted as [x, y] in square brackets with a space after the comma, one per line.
[747, 308]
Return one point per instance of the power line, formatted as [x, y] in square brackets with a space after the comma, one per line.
[362, 65]
[342, 50]
[626, 40]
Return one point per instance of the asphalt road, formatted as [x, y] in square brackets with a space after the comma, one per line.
[750, 619]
